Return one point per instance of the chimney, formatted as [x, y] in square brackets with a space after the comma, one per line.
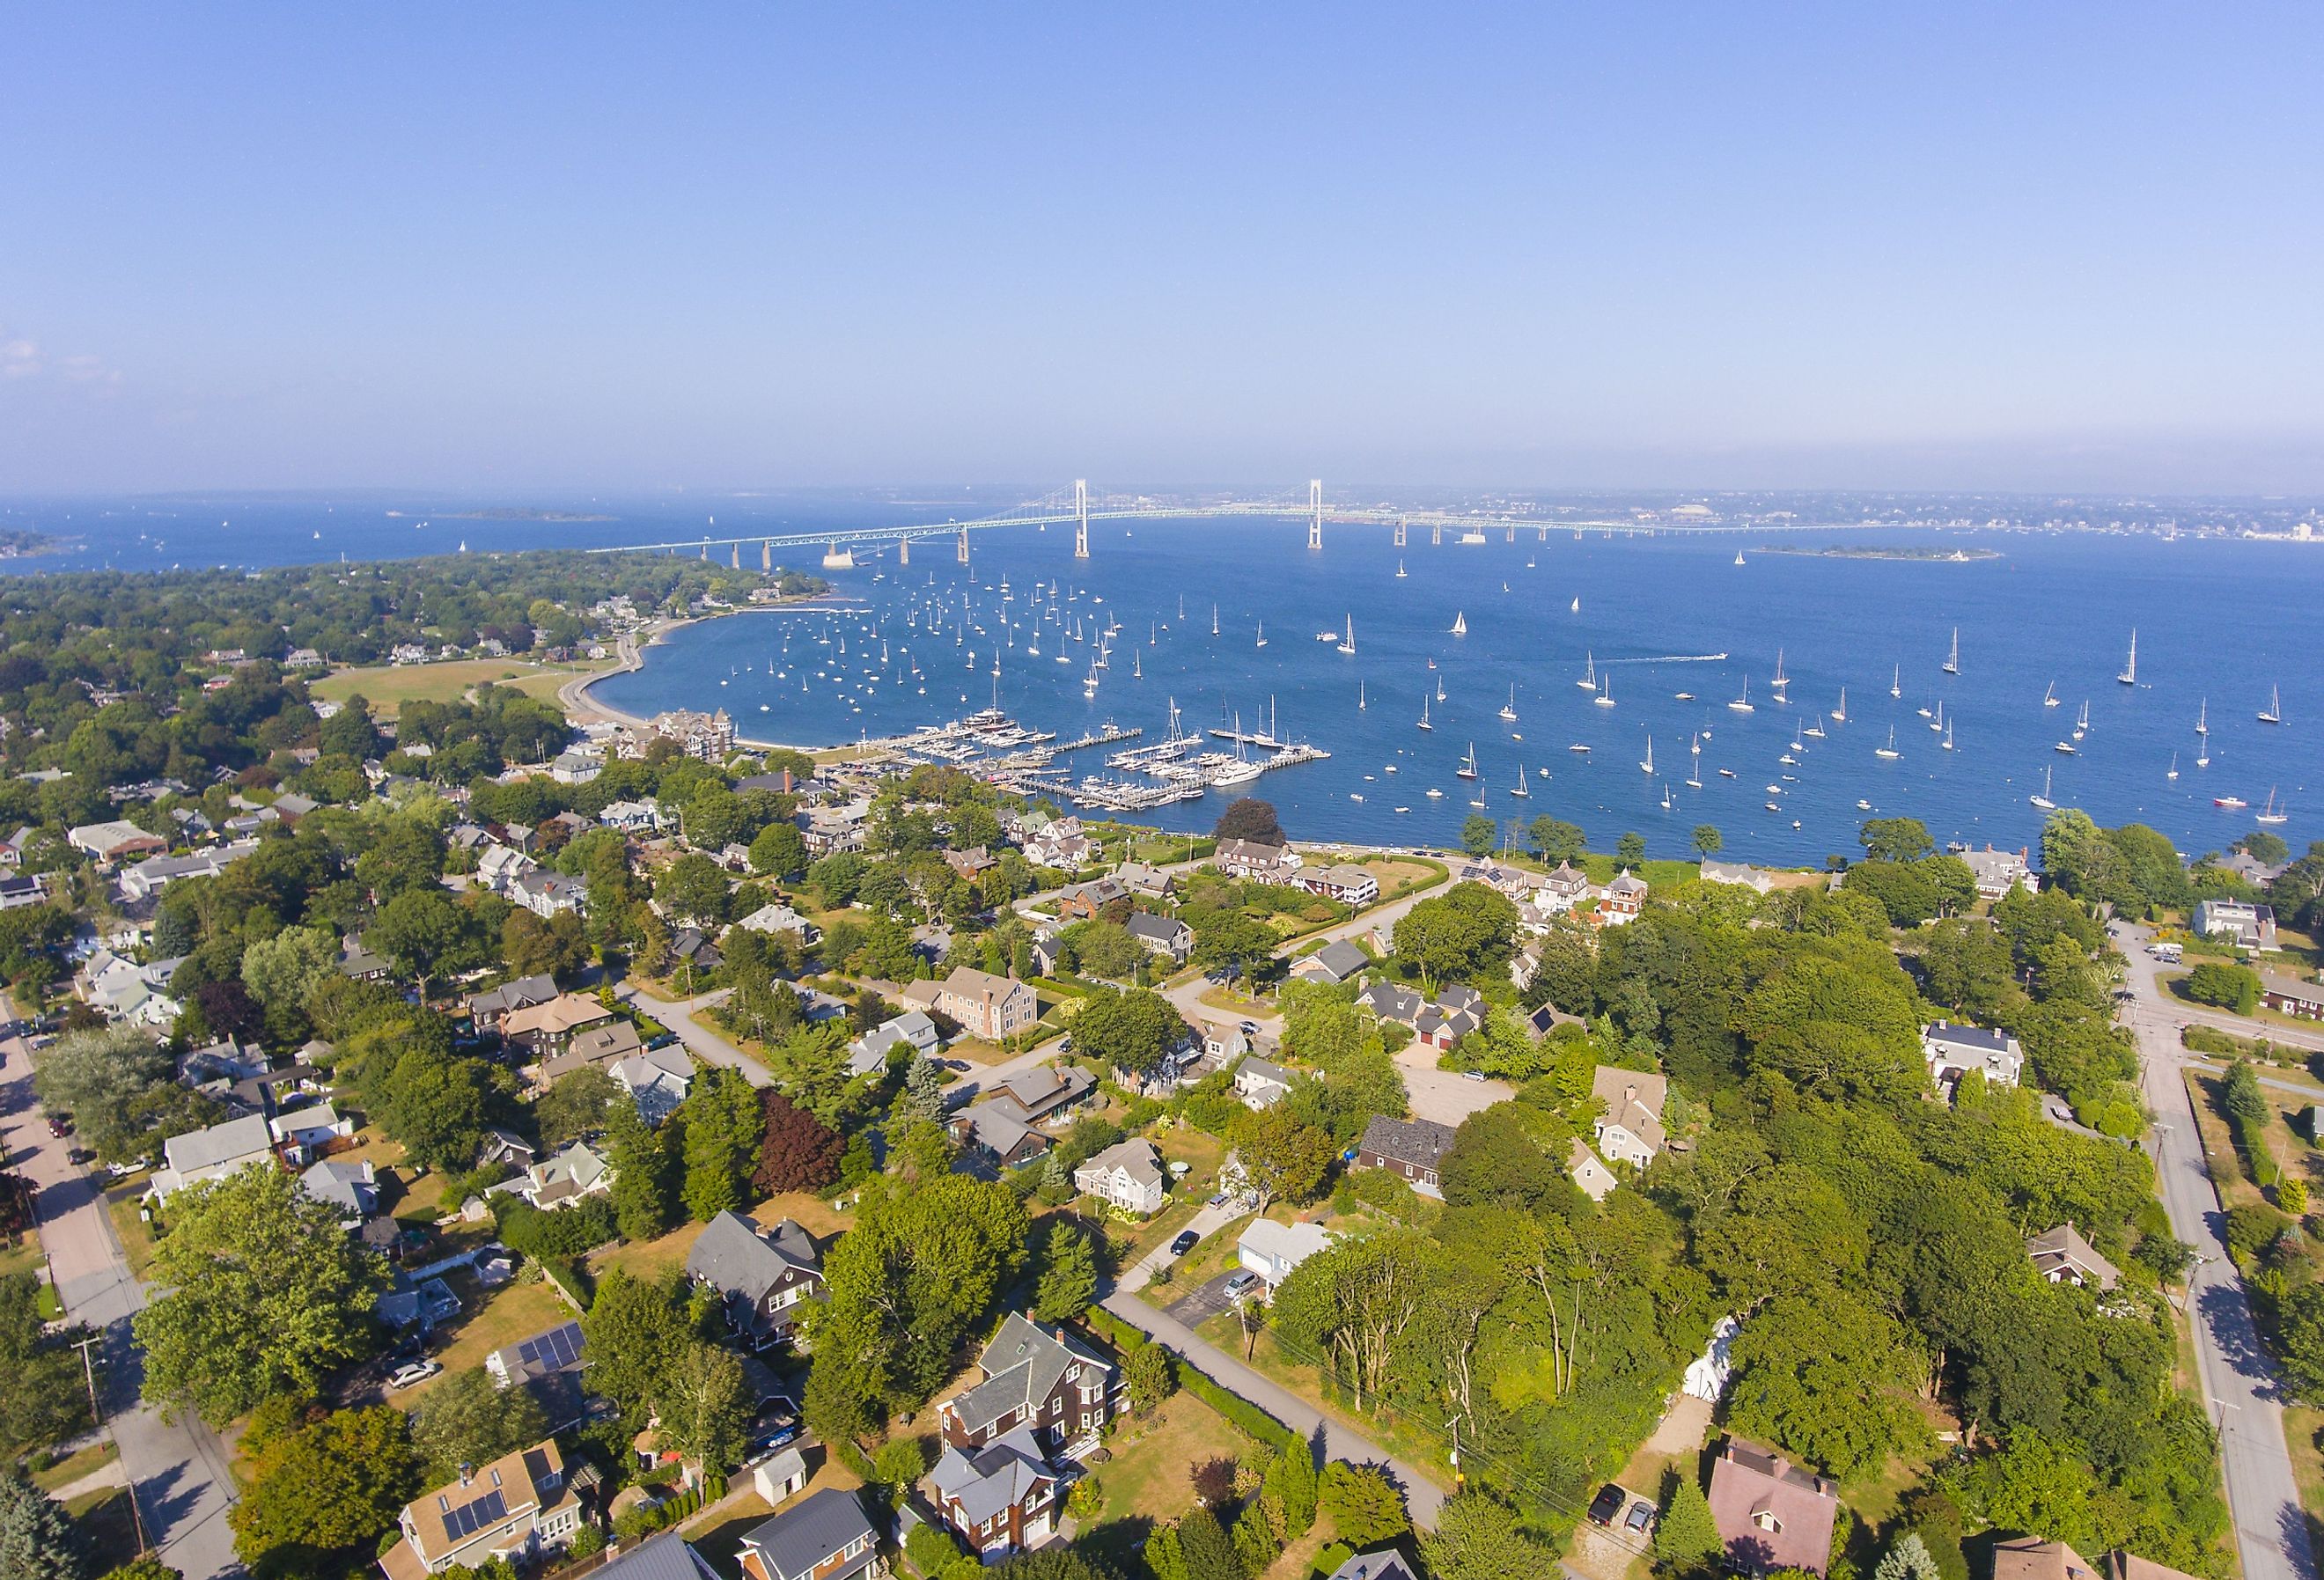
[468, 1472]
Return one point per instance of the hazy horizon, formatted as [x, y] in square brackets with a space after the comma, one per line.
[266, 247]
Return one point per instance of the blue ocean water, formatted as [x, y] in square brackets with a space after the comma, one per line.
[2219, 622]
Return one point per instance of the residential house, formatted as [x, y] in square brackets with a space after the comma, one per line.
[110, 842]
[970, 863]
[1261, 1084]
[123, 990]
[1046, 1379]
[979, 1002]
[1264, 864]
[152, 875]
[1953, 1051]
[2029, 1557]
[1388, 1564]
[1127, 1175]
[549, 1367]
[825, 1537]
[1164, 935]
[1562, 890]
[778, 918]
[545, 894]
[1758, 879]
[913, 1028]
[1525, 964]
[1062, 845]
[1412, 1149]
[576, 767]
[515, 1508]
[501, 1146]
[998, 1132]
[999, 1498]
[1997, 871]
[1334, 963]
[2237, 921]
[310, 1129]
[563, 1179]
[546, 1027]
[1590, 1176]
[763, 1275]
[1511, 882]
[633, 817]
[604, 1046]
[1271, 1249]
[695, 949]
[501, 866]
[1347, 884]
[357, 963]
[1145, 883]
[351, 1187]
[1630, 1129]
[19, 889]
[487, 1010]
[2061, 1256]
[657, 1079]
[1771, 1514]
[2288, 996]
[1619, 901]
[212, 1153]
[1082, 901]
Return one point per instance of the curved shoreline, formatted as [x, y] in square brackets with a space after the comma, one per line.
[574, 695]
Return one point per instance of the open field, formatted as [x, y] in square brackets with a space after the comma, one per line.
[387, 687]
[1145, 1483]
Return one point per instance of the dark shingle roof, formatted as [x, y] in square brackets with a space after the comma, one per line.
[796, 1540]
[1408, 1141]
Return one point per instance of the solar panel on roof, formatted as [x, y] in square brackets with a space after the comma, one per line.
[552, 1351]
[470, 1518]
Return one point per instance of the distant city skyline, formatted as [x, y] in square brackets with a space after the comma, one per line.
[1658, 247]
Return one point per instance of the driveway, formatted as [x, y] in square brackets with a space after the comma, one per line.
[1446, 1096]
[1204, 1300]
[178, 1471]
[701, 1040]
[1206, 1223]
[2241, 1391]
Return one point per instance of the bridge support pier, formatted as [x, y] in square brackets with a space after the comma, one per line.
[767, 555]
[1400, 531]
[1315, 513]
[903, 551]
[1437, 533]
[838, 558]
[735, 560]
[705, 548]
[1081, 518]
[963, 555]
[1512, 537]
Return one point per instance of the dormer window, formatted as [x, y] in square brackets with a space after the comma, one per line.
[1765, 1521]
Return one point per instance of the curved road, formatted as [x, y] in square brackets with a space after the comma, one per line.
[2241, 1390]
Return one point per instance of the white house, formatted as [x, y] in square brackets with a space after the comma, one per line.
[633, 817]
[1127, 1175]
[316, 1125]
[1271, 1249]
[1953, 1051]
[778, 918]
[1630, 1130]
[657, 1080]
[208, 1154]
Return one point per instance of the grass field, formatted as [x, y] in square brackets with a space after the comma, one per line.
[388, 687]
[136, 1236]
[73, 1467]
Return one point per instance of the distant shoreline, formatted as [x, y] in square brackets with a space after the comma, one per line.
[1878, 551]
[576, 695]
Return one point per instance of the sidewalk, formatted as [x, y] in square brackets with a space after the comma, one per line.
[1423, 1496]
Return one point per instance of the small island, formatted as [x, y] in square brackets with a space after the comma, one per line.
[505, 514]
[19, 542]
[1884, 551]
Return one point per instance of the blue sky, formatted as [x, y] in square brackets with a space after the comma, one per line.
[518, 247]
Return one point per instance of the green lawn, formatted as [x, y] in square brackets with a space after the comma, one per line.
[73, 1467]
[137, 1236]
[108, 1526]
[387, 687]
[488, 1322]
[1147, 1482]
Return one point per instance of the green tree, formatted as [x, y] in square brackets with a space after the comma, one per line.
[1908, 1559]
[42, 1398]
[435, 1103]
[1067, 1284]
[108, 1079]
[37, 1537]
[424, 933]
[1460, 933]
[702, 1405]
[898, 1465]
[1249, 818]
[467, 1420]
[266, 1294]
[1708, 840]
[1477, 1538]
[1209, 1552]
[332, 1484]
[923, 1097]
[1151, 1378]
[1130, 1031]
[694, 888]
[1365, 1507]
[722, 1121]
[1686, 1538]
[282, 971]
[1630, 849]
[2230, 987]
[1556, 840]
[1284, 1158]
[576, 1106]
[1477, 832]
[779, 851]
[641, 1164]
[1895, 839]
[145, 1568]
[636, 1330]
[1229, 938]
[1828, 1378]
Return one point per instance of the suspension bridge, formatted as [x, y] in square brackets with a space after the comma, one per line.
[1073, 509]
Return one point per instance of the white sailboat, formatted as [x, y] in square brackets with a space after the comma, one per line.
[1648, 765]
[1781, 680]
[1440, 687]
[2203, 717]
[2044, 801]
[1214, 619]
[2129, 676]
[1423, 712]
[2274, 813]
[1949, 734]
[2082, 721]
[1743, 703]
[2049, 696]
[1890, 749]
[1460, 624]
[2203, 752]
[1467, 769]
[1605, 698]
[1359, 697]
[1952, 659]
[1577, 605]
[1518, 790]
[1399, 570]
[1897, 682]
[1839, 714]
[1348, 642]
[2275, 711]
[1509, 708]
[1262, 633]
[1738, 557]
[1588, 681]
[2173, 774]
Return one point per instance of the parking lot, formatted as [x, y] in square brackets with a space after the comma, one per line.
[1204, 1300]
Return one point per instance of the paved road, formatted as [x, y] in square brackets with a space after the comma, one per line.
[702, 1041]
[1206, 1222]
[1424, 1497]
[2239, 1380]
[179, 1473]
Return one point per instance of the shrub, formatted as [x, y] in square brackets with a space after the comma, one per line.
[2230, 987]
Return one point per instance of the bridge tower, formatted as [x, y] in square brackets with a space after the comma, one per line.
[1315, 513]
[903, 551]
[1512, 537]
[705, 548]
[767, 555]
[1400, 531]
[1437, 533]
[735, 561]
[964, 546]
[1081, 518]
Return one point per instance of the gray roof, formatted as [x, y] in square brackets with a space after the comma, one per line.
[1021, 1366]
[1343, 959]
[220, 1143]
[1387, 1565]
[1976, 1037]
[515, 996]
[986, 1481]
[796, 1540]
[342, 1185]
[1162, 930]
[665, 1557]
[1408, 1141]
[735, 1257]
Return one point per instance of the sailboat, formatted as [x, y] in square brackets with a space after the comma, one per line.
[1577, 605]
[2173, 774]
[1518, 790]
[2049, 696]
[2273, 714]
[1262, 633]
[1694, 768]
[1781, 680]
[1440, 687]
[1605, 698]
[1214, 619]
[1839, 714]
[1588, 681]
[1467, 769]
[1348, 642]
[1423, 712]
[2203, 717]
[2272, 814]
[1399, 570]
[2202, 751]
[1509, 708]
[2044, 801]
[1738, 557]
[1896, 681]
[1359, 697]
[1952, 659]
[1949, 734]
[2082, 722]
[1890, 749]
[1137, 671]
[1648, 765]
[1460, 624]
[1743, 703]
[2129, 676]
[1938, 721]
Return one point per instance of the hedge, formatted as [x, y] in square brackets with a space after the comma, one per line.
[1239, 1412]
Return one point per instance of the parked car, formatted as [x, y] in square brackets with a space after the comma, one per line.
[1219, 1200]
[1640, 1519]
[1249, 1028]
[1240, 1283]
[61, 1124]
[413, 1373]
[1472, 1075]
[1607, 1504]
[1185, 1241]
